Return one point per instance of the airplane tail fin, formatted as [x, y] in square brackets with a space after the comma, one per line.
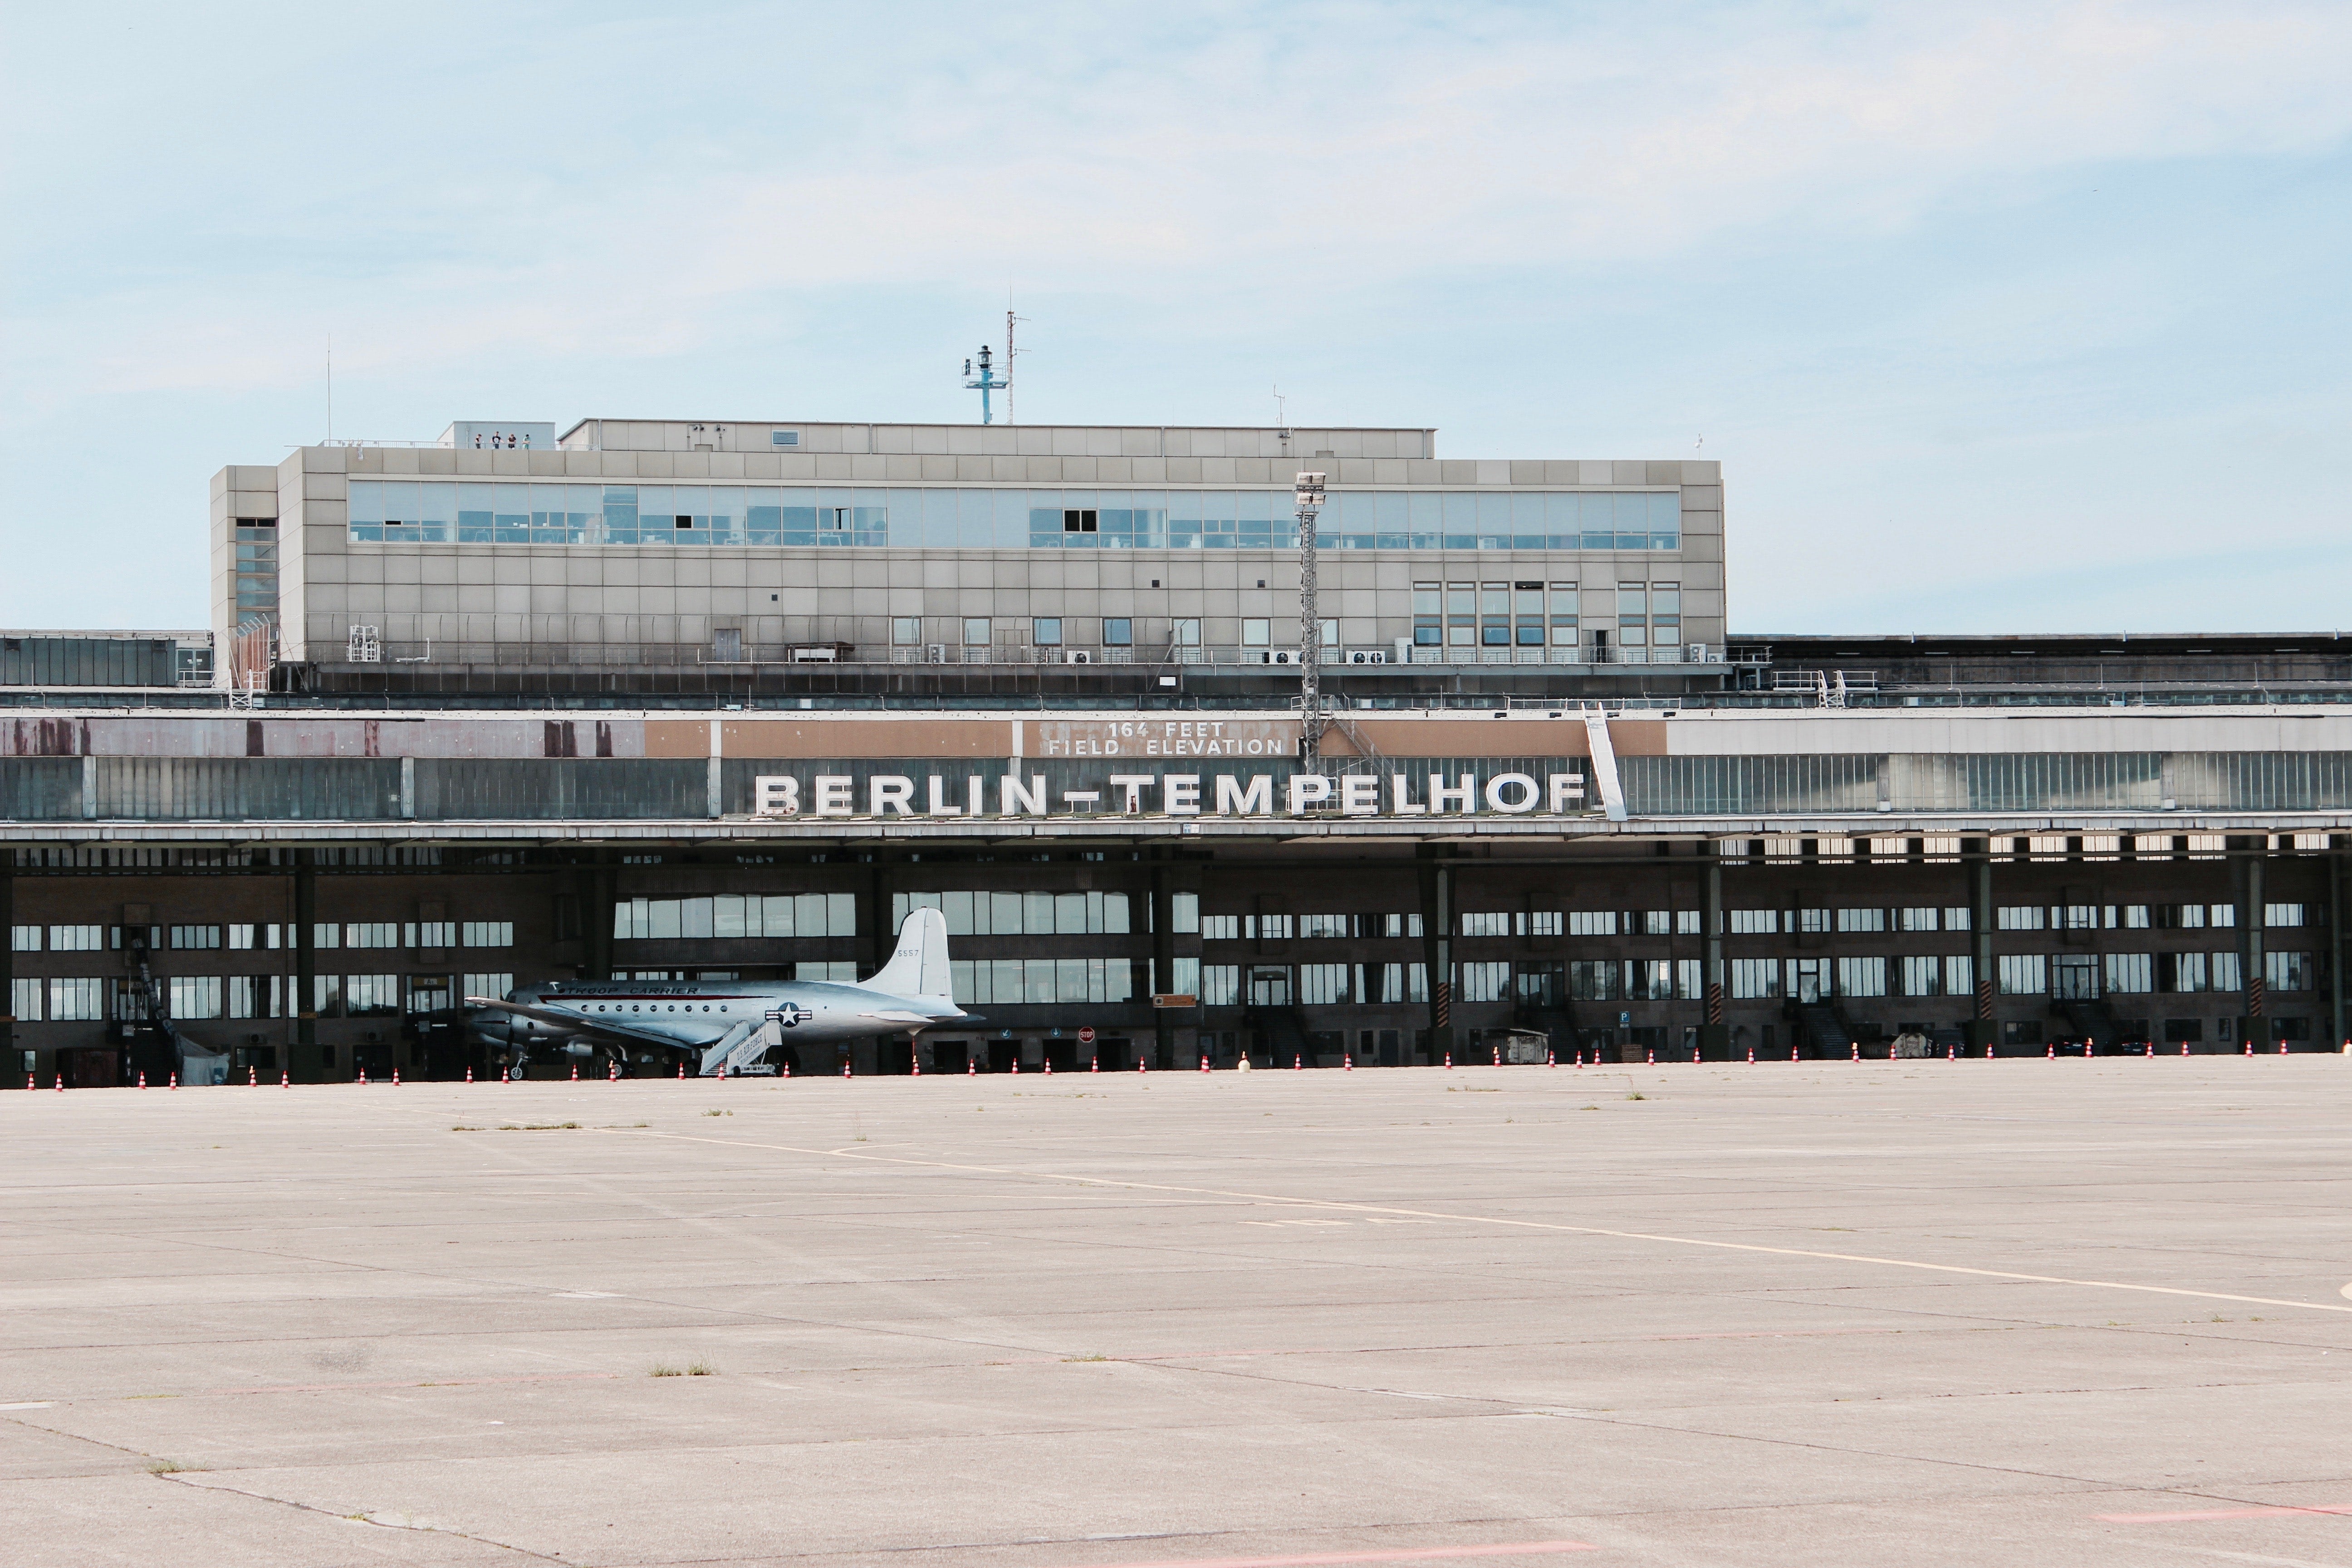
[919, 965]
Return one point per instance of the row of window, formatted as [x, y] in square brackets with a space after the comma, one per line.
[1005, 981]
[2066, 977]
[1523, 615]
[266, 937]
[724, 915]
[980, 913]
[1282, 928]
[437, 511]
[195, 997]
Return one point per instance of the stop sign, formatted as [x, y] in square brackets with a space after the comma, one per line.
[1087, 1035]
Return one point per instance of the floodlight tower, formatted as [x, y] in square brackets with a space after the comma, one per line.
[985, 383]
[1307, 498]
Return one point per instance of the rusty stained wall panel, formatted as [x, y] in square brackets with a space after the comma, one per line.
[237, 789]
[312, 736]
[819, 737]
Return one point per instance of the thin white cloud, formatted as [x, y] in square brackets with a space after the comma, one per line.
[1370, 154]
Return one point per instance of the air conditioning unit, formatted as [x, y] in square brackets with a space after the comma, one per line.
[1697, 653]
[935, 653]
[1367, 656]
[1280, 655]
[1077, 655]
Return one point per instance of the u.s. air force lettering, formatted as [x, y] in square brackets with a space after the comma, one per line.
[1016, 794]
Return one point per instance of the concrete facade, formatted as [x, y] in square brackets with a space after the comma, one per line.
[579, 603]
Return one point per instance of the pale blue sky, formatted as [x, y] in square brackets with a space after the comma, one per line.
[2008, 317]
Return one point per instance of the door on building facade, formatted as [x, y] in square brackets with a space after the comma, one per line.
[2074, 977]
[1270, 987]
[1812, 981]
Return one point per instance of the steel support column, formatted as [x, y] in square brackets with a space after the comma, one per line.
[304, 1004]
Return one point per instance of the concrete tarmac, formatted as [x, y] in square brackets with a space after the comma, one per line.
[1975, 1313]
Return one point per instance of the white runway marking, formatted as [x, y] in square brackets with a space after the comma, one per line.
[1493, 1219]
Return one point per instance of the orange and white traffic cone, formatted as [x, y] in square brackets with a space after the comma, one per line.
[1751, 1055]
[1141, 1064]
[1449, 1061]
[143, 1079]
[174, 1084]
[395, 1077]
[575, 1072]
[286, 1078]
[1204, 1063]
[1094, 1064]
[971, 1066]
[1297, 1063]
[470, 1075]
[1049, 1066]
[1650, 1058]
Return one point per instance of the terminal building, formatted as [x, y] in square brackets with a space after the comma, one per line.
[673, 699]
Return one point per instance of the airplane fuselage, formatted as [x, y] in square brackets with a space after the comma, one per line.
[697, 1013]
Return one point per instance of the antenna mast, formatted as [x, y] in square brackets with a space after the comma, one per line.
[1009, 351]
[331, 389]
[1308, 499]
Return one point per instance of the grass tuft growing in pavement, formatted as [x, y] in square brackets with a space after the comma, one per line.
[164, 1467]
[663, 1369]
[700, 1369]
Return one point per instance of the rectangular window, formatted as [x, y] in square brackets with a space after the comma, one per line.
[1322, 985]
[2024, 974]
[1045, 631]
[240, 938]
[1485, 923]
[1592, 923]
[1081, 520]
[906, 631]
[1185, 977]
[1427, 615]
[2136, 917]
[77, 1000]
[2020, 917]
[1959, 974]
[1690, 983]
[486, 933]
[1563, 615]
[1754, 923]
[244, 995]
[1649, 979]
[195, 997]
[1254, 632]
[2282, 917]
[1184, 632]
[2286, 971]
[371, 933]
[1221, 984]
[25, 999]
[25, 939]
[371, 995]
[1657, 923]
[1314, 927]
[1922, 976]
[1812, 921]
[494, 986]
[1273, 928]
[2074, 917]
[2220, 915]
[1860, 920]
[1119, 631]
[194, 937]
[1592, 980]
[1862, 976]
[1924, 919]
[2130, 974]
[2226, 971]
[2181, 917]
[1541, 923]
[1753, 979]
[1183, 912]
[975, 631]
[1461, 615]
[1221, 927]
[1956, 916]
[428, 933]
[76, 939]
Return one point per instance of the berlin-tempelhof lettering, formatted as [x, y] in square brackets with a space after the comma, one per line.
[1169, 795]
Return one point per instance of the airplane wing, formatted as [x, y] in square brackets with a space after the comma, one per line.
[585, 1026]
